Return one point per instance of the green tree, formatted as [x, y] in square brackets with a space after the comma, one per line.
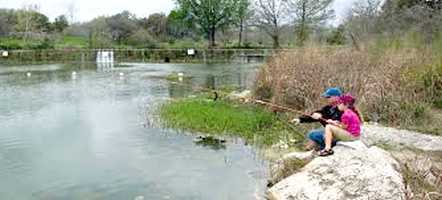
[178, 26]
[308, 14]
[209, 15]
[61, 23]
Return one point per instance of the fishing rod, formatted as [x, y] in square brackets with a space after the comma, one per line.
[216, 93]
[285, 108]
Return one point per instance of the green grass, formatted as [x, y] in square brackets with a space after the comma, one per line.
[72, 42]
[252, 123]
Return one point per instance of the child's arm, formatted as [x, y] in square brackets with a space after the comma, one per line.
[337, 123]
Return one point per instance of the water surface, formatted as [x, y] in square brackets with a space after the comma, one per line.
[90, 135]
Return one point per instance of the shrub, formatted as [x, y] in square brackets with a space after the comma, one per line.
[386, 84]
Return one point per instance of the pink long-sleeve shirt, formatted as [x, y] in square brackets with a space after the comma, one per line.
[352, 121]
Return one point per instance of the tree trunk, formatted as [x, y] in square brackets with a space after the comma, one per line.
[212, 32]
[302, 32]
[275, 41]
[241, 28]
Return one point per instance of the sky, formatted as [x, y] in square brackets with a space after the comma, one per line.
[88, 9]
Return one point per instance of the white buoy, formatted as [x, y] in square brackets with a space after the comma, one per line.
[180, 77]
[74, 75]
[139, 198]
[28, 74]
[5, 54]
[121, 74]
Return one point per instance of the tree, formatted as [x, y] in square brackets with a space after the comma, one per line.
[178, 26]
[142, 39]
[121, 25]
[337, 36]
[30, 21]
[99, 33]
[71, 9]
[361, 22]
[7, 21]
[270, 16]
[209, 15]
[242, 14]
[61, 23]
[156, 24]
[308, 14]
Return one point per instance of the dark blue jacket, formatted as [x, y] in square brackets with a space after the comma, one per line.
[327, 112]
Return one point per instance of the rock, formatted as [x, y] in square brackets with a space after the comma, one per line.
[287, 165]
[241, 96]
[356, 145]
[305, 156]
[375, 134]
[348, 174]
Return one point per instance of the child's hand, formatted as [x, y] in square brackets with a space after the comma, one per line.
[333, 122]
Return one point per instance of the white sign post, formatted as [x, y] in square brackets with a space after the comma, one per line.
[190, 52]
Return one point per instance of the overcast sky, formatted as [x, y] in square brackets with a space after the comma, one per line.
[89, 9]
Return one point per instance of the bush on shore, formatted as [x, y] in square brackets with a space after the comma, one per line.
[396, 86]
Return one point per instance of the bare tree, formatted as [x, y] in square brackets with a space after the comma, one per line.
[71, 10]
[361, 20]
[308, 14]
[270, 16]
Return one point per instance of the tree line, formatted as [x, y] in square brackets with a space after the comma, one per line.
[286, 23]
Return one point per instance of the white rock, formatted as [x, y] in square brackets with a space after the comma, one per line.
[375, 134]
[348, 174]
[244, 95]
[357, 145]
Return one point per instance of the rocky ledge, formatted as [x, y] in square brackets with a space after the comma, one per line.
[361, 170]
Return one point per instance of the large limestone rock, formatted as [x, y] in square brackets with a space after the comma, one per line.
[373, 134]
[351, 173]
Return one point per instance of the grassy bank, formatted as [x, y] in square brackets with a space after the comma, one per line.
[254, 124]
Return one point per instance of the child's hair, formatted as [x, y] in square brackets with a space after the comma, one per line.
[350, 101]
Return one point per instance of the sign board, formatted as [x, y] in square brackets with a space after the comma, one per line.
[190, 52]
[5, 54]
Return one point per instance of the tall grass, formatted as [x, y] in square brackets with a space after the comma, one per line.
[396, 86]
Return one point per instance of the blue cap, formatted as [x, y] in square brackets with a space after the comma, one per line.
[332, 92]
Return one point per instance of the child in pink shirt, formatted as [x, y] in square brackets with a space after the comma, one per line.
[349, 129]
